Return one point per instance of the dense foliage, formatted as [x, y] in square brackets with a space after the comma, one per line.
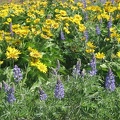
[60, 60]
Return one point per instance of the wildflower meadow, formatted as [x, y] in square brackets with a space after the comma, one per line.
[60, 60]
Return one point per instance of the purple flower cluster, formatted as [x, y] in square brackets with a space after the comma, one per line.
[17, 73]
[110, 81]
[62, 35]
[59, 90]
[43, 95]
[86, 35]
[76, 69]
[10, 92]
[6, 86]
[109, 25]
[84, 3]
[98, 30]
[10, 95]
[93, 66]
[112, 1]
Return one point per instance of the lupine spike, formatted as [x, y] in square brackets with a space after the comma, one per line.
[110, 81]
[86, 35]
[17, 73]
[59, 89]
[98, 30]
[10, 95]
[84, 3]
[109, 25]
[93, 66]
[62, 35]
[43, 95]
[6, 86]
[76, 69]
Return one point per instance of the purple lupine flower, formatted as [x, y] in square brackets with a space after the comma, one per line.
[59, 89]
[10, 95]
[98, 30]
[6, 86]
[86, 35]
[110, 81]
[76, 69]
[109, 25]
[17, 73]
[43, 95]
[86, 16]
[93, 66]
[103, 1]
[62, 35]
[112, 1]
[84, 3]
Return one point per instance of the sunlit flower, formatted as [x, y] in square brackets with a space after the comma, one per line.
[12, 53]
[118, 54]
[9, 20]
[40, 66]
[100, 55]
[63, 13]
[1, 62]
[90, 44]
[34, 53]
[90, 50]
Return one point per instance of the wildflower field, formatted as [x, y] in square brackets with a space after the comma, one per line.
[60, 60]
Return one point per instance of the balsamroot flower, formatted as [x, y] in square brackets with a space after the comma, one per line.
[12, 53]
[110, 81]
[17, 73]
[62, 35]
[93, 66]
[43, 95]
[59, 89]
[10, 95]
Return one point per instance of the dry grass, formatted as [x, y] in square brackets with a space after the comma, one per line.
[7, 1]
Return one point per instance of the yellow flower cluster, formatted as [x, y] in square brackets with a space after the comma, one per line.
[40, 66]
[35, 55]
[12, 53]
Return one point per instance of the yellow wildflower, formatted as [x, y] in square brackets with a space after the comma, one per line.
[118, 39]
[63, 13]
[34, 53]
[36, 20]
[100, 55]
[118, 54]
[1, 62]
[90, 50]
[82, 28]
[40, 66]
[90, 44]
[12, 53]
[9, 20]
[55, 25]
[66, 30]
